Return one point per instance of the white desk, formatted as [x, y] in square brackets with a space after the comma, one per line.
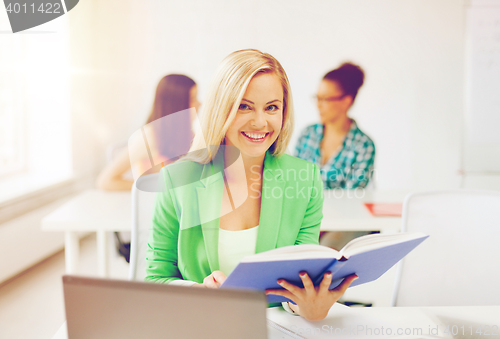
[417, 322]
[101, 212]
[398, 322]
[344, 210]
[92, 211]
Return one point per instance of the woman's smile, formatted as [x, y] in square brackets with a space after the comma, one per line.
[255, 137]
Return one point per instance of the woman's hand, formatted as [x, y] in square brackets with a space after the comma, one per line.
[214, 280]
[313, 303]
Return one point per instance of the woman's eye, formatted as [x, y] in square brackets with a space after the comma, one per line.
[244, 107]
[272, 108]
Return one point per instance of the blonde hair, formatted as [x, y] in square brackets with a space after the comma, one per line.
[224, 96]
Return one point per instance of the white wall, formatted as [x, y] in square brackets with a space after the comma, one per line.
[412, 51]
[23, 243]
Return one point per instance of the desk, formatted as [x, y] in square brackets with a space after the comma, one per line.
[398, 322]
[92, 211]
[433, 322]
[101, 212]
[344, 210]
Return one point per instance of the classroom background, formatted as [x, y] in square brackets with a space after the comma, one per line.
[74, 86]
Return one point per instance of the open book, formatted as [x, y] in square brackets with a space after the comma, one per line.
[368, 256]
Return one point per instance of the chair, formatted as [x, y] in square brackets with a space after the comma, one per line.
[143, 195]
[121, 238]
[458, 265]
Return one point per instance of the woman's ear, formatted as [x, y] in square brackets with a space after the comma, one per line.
[347, 101]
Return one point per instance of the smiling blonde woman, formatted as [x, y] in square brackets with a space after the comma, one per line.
[240, 195]
[228, 87]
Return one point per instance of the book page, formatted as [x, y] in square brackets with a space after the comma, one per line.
[293, 253]
[373, 241]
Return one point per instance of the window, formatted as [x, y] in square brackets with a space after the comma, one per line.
[35, 149]
[12, 124]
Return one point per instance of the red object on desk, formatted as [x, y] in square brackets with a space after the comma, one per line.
[385, 209]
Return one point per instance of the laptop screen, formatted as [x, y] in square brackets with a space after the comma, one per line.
[104, 308]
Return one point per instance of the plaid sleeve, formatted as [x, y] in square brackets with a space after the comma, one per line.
[301, 143]
[362, 166]
[305, 148]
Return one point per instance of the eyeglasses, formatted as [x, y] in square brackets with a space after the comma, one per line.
[318, 99]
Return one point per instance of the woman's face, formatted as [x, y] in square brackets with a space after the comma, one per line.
[331, 102]
[259, 118]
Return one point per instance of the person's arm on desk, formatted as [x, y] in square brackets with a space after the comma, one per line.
[110, 178]
[214, 280]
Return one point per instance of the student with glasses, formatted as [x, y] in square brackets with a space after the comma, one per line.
[344, 154]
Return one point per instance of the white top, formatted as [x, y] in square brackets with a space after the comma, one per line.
[234, 246]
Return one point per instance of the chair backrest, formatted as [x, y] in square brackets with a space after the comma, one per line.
[143, 197]
[459, 264]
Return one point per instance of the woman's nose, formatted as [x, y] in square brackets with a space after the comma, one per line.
[259, 119]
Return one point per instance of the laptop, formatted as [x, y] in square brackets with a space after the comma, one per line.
[105, 308]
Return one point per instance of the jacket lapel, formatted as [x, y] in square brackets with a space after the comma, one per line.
[209, 194]
[273, 195]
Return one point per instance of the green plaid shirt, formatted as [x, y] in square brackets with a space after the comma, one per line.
[351, 167]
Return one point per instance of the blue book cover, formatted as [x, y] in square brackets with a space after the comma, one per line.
[368, 257]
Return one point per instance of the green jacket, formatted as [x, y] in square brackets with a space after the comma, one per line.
[183, 241]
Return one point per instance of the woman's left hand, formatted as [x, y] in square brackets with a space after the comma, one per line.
[313, 303]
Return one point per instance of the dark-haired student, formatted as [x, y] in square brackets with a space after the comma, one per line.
[343, 152]
[174, 93]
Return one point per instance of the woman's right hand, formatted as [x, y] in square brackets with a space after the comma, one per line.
[214, 280]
